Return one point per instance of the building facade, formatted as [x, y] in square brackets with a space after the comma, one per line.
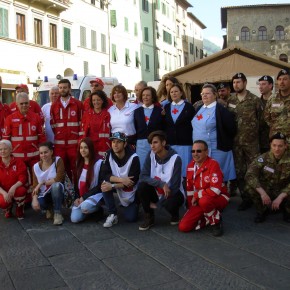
[131, 40]
[262, 28]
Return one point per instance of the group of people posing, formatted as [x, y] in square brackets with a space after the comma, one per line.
[158, 151]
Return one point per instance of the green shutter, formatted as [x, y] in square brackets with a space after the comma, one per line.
[135, 29]
[93, 40]
[146, 34]
[126, 24]
[113, 15]
[66, 39]
[114, 53]
[3, 22]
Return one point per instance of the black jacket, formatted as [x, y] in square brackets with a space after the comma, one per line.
[225, 127]
[155, 123]
[180, 132]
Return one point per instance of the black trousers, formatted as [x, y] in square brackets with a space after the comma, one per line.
[147, 194]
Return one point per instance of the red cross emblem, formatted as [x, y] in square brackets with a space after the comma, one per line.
[199, 117]
[147, 119]
[175, 111]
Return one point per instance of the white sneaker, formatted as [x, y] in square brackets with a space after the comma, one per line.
[112, 219]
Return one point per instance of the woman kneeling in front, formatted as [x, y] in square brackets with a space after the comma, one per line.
[48, 178]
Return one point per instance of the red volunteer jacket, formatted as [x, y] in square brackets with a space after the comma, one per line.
[16, 171]
[33, 107]
[66, 122]
[25, 133]
[4, 112]
[204, 181]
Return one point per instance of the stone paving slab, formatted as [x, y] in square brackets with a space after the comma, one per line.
[55, 242]
[111, 248]
[189, 265]
[5, 281]
[101, 280]
[175, 285]
[39, 278]
[88, 232]
[76, 264]
[139, 270]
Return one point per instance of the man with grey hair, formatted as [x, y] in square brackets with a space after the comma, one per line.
[138, 89]
[53, 96]
[24, 129]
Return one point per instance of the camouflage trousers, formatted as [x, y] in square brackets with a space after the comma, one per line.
[256, 198]
[243, 157]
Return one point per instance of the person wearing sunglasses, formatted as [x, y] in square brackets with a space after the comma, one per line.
[207, 194]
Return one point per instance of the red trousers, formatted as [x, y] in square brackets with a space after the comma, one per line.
[68, 153]
[18, 198]
[207, 211]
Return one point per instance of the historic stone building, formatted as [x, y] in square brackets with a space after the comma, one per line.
[262, 28]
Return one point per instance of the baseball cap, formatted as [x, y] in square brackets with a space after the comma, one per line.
[98, 81]
[239, 76]
[223, 85]
[266, 78]
[284, 72]
[119, 135]
[21, 86]
[278, 136]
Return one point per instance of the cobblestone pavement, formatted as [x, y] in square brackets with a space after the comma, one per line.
[34, 254]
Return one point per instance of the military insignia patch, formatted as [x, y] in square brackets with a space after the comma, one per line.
[260, 159]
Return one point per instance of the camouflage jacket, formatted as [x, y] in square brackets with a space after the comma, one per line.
[277, 114]
[269, 174]
[264, 129]
[248, 113]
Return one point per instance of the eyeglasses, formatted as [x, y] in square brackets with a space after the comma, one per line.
[96, 85]
[197, 151]
[23, 104]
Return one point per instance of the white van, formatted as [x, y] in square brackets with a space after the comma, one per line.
[80, 87]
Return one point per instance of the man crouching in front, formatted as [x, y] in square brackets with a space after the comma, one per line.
[160, 181]
[206, 193]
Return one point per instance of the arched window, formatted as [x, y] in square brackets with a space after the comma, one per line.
[262, 33]
[280, 34]
[245, 33]
[283, 57]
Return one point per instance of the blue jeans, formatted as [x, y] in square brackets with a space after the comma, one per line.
[130, 211]
[54, 197]
[78, 214]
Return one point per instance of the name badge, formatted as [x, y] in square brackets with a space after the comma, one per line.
[277, 105]
[232, 106]
[269, 169]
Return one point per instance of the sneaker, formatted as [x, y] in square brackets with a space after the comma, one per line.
[57, 219]
[20, 212]
[174, 220]
[260, 217]
[245, 205]
[148, 222]
[112, 219]
[217, 229]
[49, 214]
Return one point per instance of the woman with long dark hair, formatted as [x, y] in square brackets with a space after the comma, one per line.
[88, 169]
[48, 178]
[164, 88]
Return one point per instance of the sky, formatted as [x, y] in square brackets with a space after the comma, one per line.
[209, 13]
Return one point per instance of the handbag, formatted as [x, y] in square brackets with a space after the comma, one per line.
[69, 192]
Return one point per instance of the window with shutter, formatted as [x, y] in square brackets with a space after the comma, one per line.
[66, 39]
[3, 22]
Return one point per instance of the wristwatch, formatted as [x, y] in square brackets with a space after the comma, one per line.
[113, 185]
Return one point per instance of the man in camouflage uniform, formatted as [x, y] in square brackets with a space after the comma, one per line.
[277, 111]
[247, 108]
[224, 92]
[265, 87]
[268, 178]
